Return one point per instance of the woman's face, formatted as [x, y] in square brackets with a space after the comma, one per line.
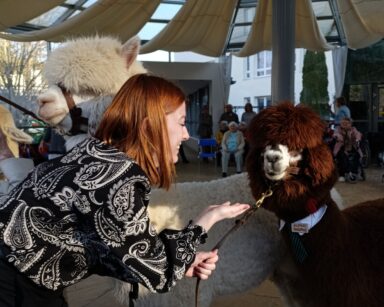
[176, 130]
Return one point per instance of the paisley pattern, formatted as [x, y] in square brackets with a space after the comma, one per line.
[87, 211]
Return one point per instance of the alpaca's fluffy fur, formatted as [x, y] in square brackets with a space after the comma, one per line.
[346, 248]
[90, 68]
[93, 66]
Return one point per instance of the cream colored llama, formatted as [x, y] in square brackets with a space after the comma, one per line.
[90, 68]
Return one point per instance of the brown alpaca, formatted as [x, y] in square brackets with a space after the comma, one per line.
[340, 260]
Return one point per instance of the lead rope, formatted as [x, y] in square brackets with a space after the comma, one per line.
[238, 223]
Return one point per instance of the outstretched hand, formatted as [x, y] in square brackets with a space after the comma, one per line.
[204, 264]
[216, 213]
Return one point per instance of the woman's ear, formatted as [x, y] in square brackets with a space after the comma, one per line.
[144, 128]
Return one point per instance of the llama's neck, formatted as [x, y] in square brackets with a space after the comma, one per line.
[292, 210]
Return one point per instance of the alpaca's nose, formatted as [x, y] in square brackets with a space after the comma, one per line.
[273, 158]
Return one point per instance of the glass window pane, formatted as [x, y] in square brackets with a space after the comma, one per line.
[89, 3]
[322, 8]
[49, 17]
[240, 34]
[260, 60]
[245, 15]
[150, 30]
[268, 58]
[327, 27]
[166, 11]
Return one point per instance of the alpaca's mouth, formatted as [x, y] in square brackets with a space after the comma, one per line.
[279, 162]
[275, 176]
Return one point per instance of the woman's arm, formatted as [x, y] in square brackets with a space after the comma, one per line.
[138, 253]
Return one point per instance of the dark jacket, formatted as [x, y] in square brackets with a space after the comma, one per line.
[86, 212]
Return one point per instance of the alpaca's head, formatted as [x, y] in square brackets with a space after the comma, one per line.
[287, 152]
[87, 67]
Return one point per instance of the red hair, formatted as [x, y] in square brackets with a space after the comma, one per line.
[135, 123]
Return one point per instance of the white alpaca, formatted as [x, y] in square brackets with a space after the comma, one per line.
[90, 68]
[93, 70]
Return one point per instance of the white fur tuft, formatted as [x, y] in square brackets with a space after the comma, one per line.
[92, 66]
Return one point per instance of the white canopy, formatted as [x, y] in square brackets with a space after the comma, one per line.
[201, 26]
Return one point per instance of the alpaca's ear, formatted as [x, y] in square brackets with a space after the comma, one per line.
[130, 50]
[321, 166]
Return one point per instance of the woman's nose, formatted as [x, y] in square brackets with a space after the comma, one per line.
[185, 134]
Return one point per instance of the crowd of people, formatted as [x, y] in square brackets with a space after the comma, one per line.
[232, 137]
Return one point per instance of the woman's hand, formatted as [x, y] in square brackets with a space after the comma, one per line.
[204, 264]
[215, 213]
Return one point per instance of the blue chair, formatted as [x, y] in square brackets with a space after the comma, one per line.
[203, 145]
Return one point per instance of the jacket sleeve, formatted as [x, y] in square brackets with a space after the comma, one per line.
[137, 252]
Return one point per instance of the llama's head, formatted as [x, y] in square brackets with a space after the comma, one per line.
[288, 154]
[86, 67]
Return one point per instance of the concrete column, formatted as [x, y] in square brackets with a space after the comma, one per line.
[283, 50]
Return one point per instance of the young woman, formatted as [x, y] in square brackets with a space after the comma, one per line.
[85, 212]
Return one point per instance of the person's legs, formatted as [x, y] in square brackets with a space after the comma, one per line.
[239, 161]
[224, 162]
[218, 157]
[342, 163]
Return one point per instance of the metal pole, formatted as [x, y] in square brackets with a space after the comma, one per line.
[283, 50]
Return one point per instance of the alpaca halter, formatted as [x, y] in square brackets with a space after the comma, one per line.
[78, 122]
[238, 223]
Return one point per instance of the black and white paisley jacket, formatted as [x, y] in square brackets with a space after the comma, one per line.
[85, 213]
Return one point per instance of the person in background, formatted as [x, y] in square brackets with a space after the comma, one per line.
[229, 115]
[86, 212]
[342, 110]
[346, 150]
[232, 144]
[247, 116]
[205, 127]
[223, 127]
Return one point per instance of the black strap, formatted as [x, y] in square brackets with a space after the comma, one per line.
[133, 294]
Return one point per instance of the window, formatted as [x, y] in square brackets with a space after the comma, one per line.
[247, 68]
[264, 63]
[246, 100]
[262, 102]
